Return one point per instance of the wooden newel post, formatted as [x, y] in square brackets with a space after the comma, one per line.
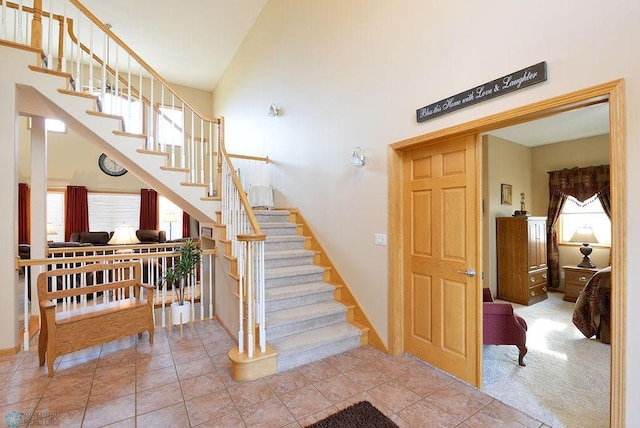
[36, 25]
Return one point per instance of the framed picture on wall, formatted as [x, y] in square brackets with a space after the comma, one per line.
[505, 194]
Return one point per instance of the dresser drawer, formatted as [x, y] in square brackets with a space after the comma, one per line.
[538, 277]
[538, 292]
[577, 278]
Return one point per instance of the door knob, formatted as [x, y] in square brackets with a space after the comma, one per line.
[469, 272]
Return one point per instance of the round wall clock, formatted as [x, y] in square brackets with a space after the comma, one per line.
[110, 167]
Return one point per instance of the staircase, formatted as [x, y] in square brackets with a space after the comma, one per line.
[303, 321]
[309, 314]
[45, 92]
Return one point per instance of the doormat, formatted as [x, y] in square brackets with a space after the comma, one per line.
[359, 415]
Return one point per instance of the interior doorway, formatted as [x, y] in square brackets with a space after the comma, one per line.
[614, 93]
[553, 387]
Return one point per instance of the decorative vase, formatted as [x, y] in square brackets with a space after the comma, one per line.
[180, 314]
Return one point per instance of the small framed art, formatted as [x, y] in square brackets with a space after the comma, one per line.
[505, 194]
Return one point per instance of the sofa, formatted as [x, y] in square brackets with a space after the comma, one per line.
[149, 236]
[93, 238]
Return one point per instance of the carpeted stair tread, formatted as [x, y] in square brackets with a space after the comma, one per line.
[289, 257]
[283, 254]
[271, 216]
[304, 313]
[283, 272]
[308, 340]
[279, 298]
[297, 290]
[280, 238]
[278, 228]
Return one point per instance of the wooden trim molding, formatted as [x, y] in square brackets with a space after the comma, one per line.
[612, 92]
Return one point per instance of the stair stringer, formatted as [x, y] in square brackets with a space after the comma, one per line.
[38, 92]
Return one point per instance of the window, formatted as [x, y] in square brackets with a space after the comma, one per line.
[51, 125]
[108, 210]
[55, 214]
[130, 111]
[170, 126]
[589, 213]
[167, 210]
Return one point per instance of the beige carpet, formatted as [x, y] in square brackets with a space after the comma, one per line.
[567, 378]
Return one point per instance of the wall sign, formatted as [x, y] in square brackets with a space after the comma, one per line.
[511, 82]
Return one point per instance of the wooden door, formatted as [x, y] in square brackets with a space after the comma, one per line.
[441, 216]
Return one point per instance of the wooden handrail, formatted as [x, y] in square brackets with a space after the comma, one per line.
[140, 61]
[256, 158]
[243, 196]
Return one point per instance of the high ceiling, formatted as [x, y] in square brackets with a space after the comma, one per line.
[189, 43]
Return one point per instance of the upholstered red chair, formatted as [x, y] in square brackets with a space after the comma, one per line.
[502, 326]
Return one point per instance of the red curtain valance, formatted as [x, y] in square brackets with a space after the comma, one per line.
[581, 183]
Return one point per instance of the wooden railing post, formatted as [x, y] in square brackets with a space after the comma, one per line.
[36, 26]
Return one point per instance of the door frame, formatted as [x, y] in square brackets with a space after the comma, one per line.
[614, 93]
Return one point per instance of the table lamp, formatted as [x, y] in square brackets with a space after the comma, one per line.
[585, 236]
[124, 235]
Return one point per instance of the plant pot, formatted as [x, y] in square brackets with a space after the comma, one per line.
[180, 314]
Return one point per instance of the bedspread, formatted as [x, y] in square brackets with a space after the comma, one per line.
[592, 311]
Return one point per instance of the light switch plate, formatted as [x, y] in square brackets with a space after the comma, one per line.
[380, 239]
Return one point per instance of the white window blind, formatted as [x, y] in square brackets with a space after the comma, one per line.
[55, 214]
[590, 213]
[107, 210]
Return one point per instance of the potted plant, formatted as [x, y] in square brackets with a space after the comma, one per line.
[180, 274]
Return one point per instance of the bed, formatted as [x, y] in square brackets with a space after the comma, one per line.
[592, 311]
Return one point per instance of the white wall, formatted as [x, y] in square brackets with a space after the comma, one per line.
[353, 73]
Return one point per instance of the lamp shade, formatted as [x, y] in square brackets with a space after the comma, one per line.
[584, 235]
[123, 235]
[170, 218]
[51, 230]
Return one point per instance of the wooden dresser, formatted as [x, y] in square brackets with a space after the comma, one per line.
[522, 259]
[575, 278]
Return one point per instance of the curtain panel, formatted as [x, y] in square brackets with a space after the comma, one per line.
[582, 184]
[76, 217]
[148, 209]
[24, 213]
[186, 225]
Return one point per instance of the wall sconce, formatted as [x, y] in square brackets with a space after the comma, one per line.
[585, 236]
[274, 110]
[357, 158]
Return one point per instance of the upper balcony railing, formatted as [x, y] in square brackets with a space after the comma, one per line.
[154, 259]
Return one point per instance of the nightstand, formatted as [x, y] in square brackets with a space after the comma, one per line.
[575, 278]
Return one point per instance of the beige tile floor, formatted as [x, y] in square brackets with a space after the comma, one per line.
[185, 382]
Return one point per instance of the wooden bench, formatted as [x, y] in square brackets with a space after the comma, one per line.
[75, 315]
